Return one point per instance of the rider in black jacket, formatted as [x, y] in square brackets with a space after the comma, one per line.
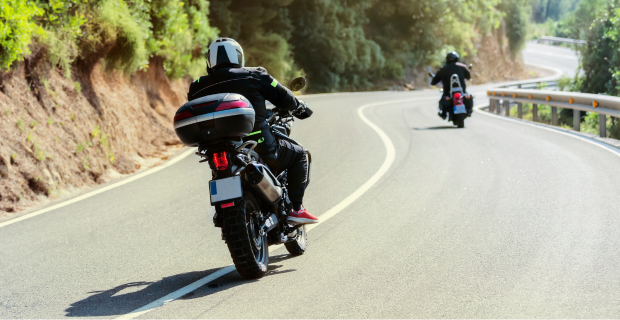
[227, 74]
[453, 66]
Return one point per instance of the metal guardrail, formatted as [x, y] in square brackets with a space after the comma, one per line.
[601, 104]
[561, 40]
[532, 85]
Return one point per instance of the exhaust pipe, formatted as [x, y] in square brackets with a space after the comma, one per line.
[259, 177]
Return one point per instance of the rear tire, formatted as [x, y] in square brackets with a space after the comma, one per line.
[298, 247]
[459, 121]
[248, 248]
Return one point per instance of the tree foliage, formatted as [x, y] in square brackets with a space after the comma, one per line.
[598, 23]
[16, 29]
[338, 44]
[343, 45]
[543, 10]
[126, 33]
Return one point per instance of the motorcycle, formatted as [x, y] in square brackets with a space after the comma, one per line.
[457, 111]
[251, 202]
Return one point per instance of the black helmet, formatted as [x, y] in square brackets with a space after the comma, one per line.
[452, 57]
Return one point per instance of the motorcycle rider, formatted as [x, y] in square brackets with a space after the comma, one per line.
[453, 66]
[227, 74]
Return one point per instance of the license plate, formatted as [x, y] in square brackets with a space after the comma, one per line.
[459, 109]
[225, 189]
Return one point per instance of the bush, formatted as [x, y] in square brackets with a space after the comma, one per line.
[516, 25]
[17, 27]
[129, 54]
[181, 34]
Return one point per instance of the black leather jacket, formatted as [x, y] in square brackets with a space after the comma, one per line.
[257, 86]
[447, 71]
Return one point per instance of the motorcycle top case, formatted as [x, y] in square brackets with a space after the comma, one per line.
[217, 116]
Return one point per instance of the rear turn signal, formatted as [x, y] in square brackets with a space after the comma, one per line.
[220, 160]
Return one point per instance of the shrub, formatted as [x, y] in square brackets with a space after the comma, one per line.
[116, 20]
[180, 33]
[17, 27]
[62, 21]
[516, 25]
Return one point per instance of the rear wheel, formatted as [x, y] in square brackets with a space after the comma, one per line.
[459, 121]
[298, 247]
[247, 244]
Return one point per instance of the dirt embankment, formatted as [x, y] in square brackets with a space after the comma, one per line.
[60, 135]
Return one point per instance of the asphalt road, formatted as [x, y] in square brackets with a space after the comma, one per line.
[560, 58]
[496, 220]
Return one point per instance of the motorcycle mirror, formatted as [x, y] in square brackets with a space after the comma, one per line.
[471, 66]
[298, 84]
[430, 74]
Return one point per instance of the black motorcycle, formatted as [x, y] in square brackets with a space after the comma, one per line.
[251, 203]
[459, 103]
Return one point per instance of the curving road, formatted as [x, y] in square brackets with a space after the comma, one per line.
[497, 220]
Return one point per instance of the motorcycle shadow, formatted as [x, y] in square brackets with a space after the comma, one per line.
[436, 128]
[115, 302]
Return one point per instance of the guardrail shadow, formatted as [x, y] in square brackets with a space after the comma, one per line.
[113, 302]
[437, 128]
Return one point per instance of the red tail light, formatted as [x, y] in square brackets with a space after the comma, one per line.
[232, 105]
[182, 115]
[220, 160]
[458, 99]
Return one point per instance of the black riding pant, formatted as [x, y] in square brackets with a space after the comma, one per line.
[292, 157]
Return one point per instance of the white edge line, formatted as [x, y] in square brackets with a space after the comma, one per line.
[101, 190]
[597, 143]
[387, 163]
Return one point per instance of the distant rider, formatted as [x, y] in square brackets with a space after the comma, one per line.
[453, 66]
[227, 74]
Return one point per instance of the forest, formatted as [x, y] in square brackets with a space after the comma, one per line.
[338, 45]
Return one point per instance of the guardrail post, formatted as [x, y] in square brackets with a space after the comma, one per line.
[520, 109]
[535, 112]
[491, 105]
[498, 107]
[554, 116]
[602, 125]
[576, 120]
[507, 106]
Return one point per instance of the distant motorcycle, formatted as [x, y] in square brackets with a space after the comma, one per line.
[251, 203]
[457, 111]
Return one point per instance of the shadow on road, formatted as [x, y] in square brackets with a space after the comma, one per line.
[131, 296]
[436, 128]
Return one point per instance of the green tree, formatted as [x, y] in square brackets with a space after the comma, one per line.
[263, 29]
[331, 47]
[17, 27]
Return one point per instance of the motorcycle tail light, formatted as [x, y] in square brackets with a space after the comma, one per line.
[220, 160]
[458, 99]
